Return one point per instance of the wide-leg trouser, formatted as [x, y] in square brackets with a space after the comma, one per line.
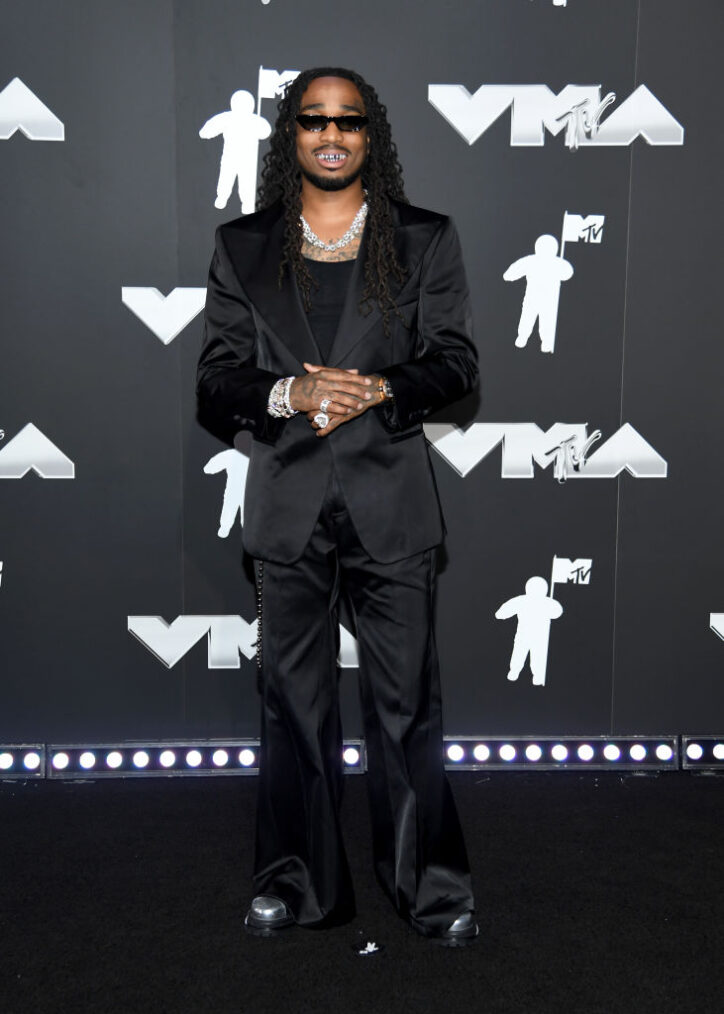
[418, 847]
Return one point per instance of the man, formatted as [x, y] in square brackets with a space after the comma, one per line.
[337, 318]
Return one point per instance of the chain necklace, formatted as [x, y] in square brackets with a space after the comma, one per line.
[354, 230]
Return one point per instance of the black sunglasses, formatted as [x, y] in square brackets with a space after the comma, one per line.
[347, 124]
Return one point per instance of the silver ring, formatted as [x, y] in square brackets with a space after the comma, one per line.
[324, 404]
[321, 419]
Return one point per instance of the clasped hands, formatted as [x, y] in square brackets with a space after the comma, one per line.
[348, 393]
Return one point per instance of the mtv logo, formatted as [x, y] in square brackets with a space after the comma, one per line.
[31, 450]
[567, 571]
[273, 82]
[21, 109]
[583, 228]
[166, 316]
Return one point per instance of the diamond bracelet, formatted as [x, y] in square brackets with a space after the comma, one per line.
[278, 404]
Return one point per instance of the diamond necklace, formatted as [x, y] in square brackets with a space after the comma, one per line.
[354, 230]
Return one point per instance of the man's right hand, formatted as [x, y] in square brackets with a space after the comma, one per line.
[346, 390]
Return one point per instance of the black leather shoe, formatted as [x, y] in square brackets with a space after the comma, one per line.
[266, 916]
[461, 933]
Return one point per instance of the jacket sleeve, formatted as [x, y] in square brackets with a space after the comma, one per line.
[446, 367]
[232, 391]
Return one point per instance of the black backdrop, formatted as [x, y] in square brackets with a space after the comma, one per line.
[126, 201]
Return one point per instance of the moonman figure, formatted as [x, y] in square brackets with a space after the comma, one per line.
[337, 319]
[544, 271]
[534, 610]
[236, 466]
[242, 129]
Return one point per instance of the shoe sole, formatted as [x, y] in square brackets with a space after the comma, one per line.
[266, 929]
[457, 940]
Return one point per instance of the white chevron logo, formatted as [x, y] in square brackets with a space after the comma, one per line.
[166, 316]
[21, 109]
[716, 623]
[32, 450]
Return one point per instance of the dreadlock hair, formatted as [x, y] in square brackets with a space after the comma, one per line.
[281, 178]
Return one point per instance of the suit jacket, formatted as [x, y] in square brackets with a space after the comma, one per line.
[256, 333]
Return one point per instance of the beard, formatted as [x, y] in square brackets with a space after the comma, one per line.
[331, 182]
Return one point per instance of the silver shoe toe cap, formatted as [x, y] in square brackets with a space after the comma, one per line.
[463, 924]
[268, 909]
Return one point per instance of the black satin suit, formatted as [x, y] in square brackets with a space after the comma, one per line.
[357, 510]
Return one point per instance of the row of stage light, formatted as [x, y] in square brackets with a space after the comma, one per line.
[467, 753]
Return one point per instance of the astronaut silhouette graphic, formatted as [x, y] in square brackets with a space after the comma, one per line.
[544, 271]
[236, 465]
[534, 610]
[242, 130]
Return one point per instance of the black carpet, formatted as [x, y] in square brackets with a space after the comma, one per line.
[596, 894]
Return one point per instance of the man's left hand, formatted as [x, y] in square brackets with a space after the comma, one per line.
[337, 420]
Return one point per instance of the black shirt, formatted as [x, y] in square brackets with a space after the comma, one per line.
[333, 278]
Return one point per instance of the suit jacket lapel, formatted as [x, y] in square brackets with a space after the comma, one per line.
[354, 325]
[256, 257]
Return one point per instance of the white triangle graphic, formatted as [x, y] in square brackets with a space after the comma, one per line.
[21, 109]
[167, 315]
[31, 449]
